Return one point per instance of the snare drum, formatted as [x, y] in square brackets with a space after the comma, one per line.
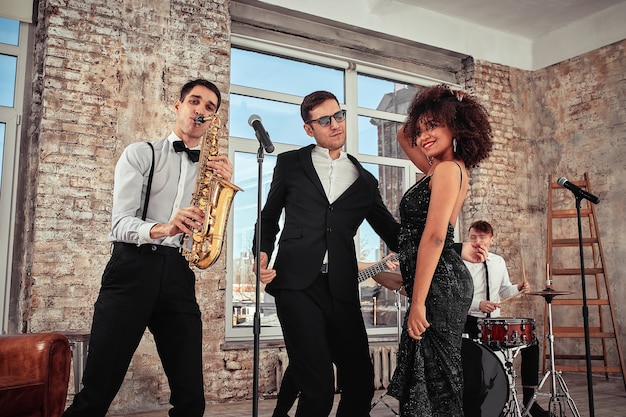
[486, 385]
[506, 332]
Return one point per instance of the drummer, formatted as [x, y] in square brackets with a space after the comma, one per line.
[491, 283]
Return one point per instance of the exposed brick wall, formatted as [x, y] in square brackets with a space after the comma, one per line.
[498, 191]
[106, 75]
[572, 116]
[563, 120]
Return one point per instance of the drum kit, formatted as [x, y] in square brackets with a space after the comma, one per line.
[489, 373]
[488, 366]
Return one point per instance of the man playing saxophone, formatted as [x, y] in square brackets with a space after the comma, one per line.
[147, 282]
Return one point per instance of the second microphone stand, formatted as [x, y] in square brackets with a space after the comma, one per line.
[585, 311]
[398, 305]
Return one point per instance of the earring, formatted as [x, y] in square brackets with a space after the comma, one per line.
[430, 161]
[454, 145]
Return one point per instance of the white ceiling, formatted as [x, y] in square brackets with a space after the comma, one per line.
[526, 18]
[526, 34]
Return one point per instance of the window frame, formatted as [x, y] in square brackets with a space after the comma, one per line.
[12, 117]
[352, 68]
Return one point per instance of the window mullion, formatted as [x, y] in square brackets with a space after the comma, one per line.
[270, 95]
[351, 105]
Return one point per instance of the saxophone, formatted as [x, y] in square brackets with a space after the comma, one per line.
[214, 195]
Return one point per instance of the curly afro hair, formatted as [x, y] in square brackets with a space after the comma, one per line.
[461, 113]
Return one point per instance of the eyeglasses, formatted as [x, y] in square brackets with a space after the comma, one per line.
[324, 121]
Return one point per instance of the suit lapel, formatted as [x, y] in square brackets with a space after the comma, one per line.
[309, 169]
[355, 186]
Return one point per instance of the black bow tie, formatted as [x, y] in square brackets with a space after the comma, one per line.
[179, 146]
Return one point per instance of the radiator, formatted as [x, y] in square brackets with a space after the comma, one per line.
[383, 359]
[282, 361]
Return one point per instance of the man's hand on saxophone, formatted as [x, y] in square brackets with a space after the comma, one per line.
[186, 220]
[221, 166]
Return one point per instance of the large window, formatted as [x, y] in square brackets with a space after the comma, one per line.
[13, 36]
[271, 81]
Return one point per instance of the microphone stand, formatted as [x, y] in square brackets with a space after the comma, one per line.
[398, 305]
[257, 304]
[585, 309]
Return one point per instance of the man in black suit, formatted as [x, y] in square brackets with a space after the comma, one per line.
[326, 194]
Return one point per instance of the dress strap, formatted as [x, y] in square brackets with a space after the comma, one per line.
[461, 170]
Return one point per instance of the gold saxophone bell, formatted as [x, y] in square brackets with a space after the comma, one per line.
[214, 195]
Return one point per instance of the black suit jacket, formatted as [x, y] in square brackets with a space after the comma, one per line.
[313, 225]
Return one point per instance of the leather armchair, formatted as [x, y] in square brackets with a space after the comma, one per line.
[34, 374]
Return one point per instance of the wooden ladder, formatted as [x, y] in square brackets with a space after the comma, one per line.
[563, 267]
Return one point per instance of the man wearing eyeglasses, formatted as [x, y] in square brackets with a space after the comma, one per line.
[325, 194]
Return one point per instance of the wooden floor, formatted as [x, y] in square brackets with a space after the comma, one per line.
[609, 399]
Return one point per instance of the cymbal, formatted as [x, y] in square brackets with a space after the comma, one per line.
[549, 292]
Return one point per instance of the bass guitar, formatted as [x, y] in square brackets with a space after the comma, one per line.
[375, 269]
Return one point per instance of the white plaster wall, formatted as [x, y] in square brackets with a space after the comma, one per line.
[454, 34]
[580, 37]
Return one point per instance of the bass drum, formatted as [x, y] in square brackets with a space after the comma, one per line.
[486, 385]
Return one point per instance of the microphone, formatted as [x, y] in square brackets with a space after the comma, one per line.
[578, 192]
[261, 133]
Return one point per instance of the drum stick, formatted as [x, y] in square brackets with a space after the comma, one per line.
[510, 298]
[521, 254]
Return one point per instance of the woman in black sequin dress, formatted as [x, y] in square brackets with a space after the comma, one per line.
[445, 132]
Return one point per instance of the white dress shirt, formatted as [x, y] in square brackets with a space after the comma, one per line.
[499, 283]
[336, 175]
[173, 185]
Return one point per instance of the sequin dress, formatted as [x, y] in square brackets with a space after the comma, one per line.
[428, 380]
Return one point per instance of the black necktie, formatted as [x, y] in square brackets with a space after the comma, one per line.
[487, 283]
[179, 146]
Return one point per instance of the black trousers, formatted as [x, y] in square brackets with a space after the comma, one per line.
[143, 287]
[287, 394]
[319, 330]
